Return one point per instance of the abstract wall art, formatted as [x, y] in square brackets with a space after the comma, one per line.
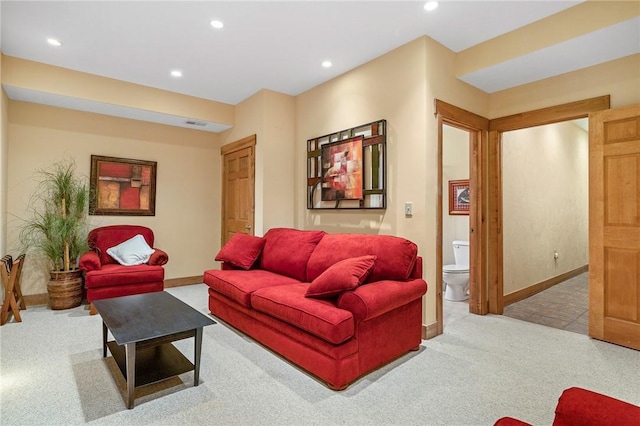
[122, 187]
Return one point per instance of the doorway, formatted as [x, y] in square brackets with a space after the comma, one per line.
[476, 127]
[238, 194]
[556, 114]
[455, 222]
[545, 174]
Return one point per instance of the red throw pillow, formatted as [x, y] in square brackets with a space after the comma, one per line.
[241, 250]
[341, 276]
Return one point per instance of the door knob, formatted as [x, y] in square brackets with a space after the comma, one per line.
[247, 227]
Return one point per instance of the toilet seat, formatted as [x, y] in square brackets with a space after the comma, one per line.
[455, 269]
[455, 281]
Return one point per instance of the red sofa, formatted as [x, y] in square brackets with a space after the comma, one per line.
[104, 277]
[581, 407]
[336, 333]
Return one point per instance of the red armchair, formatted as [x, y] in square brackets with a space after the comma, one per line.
[105, 277]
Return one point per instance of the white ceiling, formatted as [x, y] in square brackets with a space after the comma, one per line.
[278, 45]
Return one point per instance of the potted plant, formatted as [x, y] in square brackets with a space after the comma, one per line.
[57, 230]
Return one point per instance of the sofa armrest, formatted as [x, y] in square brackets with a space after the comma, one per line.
[374, 299]
[416, 273]
[578, 406]
[90, 261]
[158, 257]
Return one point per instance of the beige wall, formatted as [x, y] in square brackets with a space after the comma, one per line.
[545, 176]
[186, 224]
[455, 166]
[399, 87]
[271, 117]
[278, 158]
[4, 159]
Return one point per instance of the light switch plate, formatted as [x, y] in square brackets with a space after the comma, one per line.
[408, 209]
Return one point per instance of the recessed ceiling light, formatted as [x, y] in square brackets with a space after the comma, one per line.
[327, 64]
[217, 24]
[430, 5]
[54, 42]
[176, 73]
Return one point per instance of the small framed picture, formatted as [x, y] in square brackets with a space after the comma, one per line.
[459, 196]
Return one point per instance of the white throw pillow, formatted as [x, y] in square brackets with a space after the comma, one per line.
[134, 251]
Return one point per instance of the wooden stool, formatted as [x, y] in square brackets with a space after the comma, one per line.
[10, 272]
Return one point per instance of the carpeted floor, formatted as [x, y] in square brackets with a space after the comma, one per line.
[52, 373]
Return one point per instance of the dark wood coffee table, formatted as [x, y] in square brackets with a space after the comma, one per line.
[143, 326]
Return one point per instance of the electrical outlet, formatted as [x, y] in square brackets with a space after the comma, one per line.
[408, 209]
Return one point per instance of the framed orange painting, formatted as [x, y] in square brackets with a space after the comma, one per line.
[342, 170]
[122, 187]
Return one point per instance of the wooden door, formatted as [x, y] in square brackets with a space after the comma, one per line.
[238, 188]
[614, 226]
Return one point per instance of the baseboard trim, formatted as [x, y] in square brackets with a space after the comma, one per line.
[43, 298]
[519, 295]
[429, 331]
[179, 282]
[36, 299]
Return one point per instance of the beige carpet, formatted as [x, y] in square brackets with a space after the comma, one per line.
[52, 373]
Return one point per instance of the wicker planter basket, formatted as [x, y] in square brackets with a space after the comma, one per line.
[65, 289]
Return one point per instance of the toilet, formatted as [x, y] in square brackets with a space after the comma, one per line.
[456, 277]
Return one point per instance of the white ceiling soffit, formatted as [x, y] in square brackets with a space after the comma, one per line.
[594, 48]
[60, 101]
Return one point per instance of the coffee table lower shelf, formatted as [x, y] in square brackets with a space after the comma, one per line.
[153, 363]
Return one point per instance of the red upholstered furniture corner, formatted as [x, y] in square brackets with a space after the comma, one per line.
[582, 407]
[104, 277]
[341, 331]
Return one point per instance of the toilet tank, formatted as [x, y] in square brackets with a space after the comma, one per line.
[461, 252]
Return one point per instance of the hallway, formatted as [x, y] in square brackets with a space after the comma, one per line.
[564, 306]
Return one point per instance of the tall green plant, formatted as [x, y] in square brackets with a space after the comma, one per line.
[58, 224]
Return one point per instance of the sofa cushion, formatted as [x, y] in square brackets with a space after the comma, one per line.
[241, 250]
[318, 317]
[238, 284]
[108, 292]
[395, 256]
[286, 251]
[134, 251]
[342, 276]
[114, 274]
